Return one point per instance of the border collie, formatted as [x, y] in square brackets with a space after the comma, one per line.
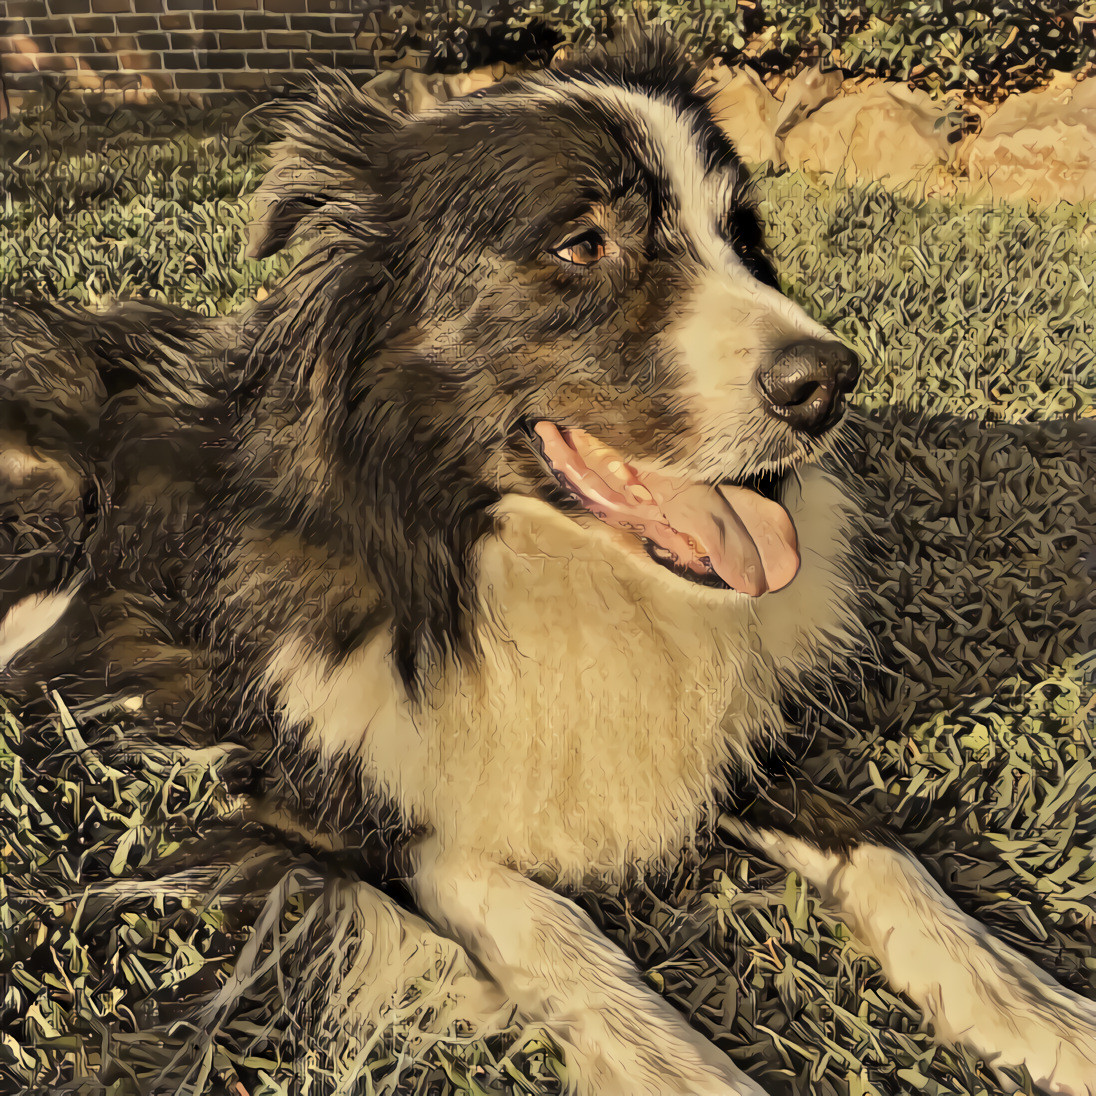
[500, 517]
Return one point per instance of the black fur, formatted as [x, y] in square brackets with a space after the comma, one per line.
[324, 464]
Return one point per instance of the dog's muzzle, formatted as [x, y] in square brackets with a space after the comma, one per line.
[804, 384]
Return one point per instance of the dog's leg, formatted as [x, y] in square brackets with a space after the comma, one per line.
[973, 989]
[397, 974]
[619, 1036]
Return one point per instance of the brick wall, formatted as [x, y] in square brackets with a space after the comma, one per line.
[135, 50]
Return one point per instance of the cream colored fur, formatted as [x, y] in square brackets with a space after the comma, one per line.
[620, 1037]
[29, 619]
[610, 696]
[592, 733]
[402, 976]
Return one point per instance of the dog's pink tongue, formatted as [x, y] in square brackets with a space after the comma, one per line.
[748, 540]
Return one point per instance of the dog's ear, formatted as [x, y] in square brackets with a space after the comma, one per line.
[320, 166]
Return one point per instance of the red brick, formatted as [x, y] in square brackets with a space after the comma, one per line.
[111, 7]
[265, 20]
[153, 7]
[53, 24]
[24, 43]
[224, 20]
[55, 62]
[299, 6]
[156, 41]
[20, 62]
[287, 39]
[176, 20]
[267, 59]
[114, 42]
[180, 59]
[237, 5]
[307, 62]
[245, 81]
[73, 43]
[68, 7]
[240, 39]
[31, 9]
[140, 60]
[100, 62]
[218, 59]
[331, 41]
[192, 39]
[197, 80]
[310, 22]
[134, 24]
[93, 24]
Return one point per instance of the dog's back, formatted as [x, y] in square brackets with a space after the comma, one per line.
[115, 429]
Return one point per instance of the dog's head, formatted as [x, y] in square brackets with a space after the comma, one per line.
[584, 296]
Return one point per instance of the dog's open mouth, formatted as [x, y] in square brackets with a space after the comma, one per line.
[729, 534]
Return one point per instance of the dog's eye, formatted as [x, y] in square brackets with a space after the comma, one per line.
[585, 249]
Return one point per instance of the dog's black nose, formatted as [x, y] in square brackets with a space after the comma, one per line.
[805, 382]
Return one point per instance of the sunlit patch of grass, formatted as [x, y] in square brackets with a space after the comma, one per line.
[955, 306]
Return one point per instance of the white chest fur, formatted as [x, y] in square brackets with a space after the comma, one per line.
[608, 699]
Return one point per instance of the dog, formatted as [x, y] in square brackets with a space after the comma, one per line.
[501, 520]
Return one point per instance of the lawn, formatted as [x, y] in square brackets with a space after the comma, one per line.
[975, 733]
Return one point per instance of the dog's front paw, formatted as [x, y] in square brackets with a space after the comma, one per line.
[1016, 1015]
[667, 1058]
[1062, 1063]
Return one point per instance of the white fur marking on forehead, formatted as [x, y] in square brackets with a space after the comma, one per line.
[672, 142]
[675, 145]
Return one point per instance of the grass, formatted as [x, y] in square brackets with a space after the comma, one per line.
[976, 327]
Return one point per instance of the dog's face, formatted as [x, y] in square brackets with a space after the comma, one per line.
[590, 270]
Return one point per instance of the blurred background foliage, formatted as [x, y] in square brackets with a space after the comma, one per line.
[995, 45]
